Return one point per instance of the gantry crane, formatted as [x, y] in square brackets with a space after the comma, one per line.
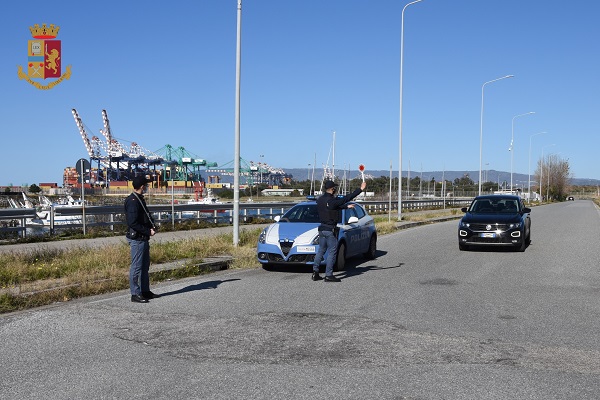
[182, 165]
[112, 155]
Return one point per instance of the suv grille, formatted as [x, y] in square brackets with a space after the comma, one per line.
[495, 227]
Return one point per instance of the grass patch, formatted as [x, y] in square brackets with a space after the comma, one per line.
[47, 276]
[423, 216]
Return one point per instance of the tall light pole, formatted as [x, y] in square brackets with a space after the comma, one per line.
[400, 133]
[512, 148]
[236, 157]
[487, 171]
[481, 129]
[261, 157]
[529, 168]
[542, 168]
[312, 177]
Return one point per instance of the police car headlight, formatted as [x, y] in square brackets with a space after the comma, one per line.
[262, 238]
[315, 241]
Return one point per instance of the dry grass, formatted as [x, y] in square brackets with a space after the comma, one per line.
[423, 216]
[47, 276]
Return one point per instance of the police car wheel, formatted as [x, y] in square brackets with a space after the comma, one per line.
[370, 254]
[340, 262]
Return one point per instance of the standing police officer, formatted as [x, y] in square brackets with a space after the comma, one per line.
[140, 226]
[328, 206]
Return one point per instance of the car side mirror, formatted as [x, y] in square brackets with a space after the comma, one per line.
[352, 220]
[277, 218]
[464, 209]
[527, 210]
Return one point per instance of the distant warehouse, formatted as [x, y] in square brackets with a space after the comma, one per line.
[281, 192]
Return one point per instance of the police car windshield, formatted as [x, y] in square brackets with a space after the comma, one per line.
[302, 213]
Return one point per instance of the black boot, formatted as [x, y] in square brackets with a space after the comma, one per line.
[316, 276]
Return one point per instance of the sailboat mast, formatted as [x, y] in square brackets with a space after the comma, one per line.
[333, 159]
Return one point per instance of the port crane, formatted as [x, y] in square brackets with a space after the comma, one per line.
[182, 165]
[118, 161]
[252, 171]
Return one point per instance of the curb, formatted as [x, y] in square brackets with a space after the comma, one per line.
[218, 263]
[408, 224]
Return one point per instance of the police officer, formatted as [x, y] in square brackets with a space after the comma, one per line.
[140, 227]
[328, 206]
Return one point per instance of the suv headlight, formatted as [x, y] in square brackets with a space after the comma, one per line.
[464, 224]
[515, 225]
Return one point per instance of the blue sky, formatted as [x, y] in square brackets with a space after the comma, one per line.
[165, 73]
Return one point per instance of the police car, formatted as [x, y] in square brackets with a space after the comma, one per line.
[294, 238]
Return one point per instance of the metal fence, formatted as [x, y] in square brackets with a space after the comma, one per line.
[20, 219]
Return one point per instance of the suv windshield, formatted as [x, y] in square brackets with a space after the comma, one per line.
[505, 206]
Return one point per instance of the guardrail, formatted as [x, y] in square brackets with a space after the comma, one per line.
[19, 219]
[15, 219]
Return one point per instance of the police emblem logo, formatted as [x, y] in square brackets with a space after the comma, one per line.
[44, 57]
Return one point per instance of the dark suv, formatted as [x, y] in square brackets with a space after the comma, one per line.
[495, 220]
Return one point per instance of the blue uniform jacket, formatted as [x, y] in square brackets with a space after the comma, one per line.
[328, 207]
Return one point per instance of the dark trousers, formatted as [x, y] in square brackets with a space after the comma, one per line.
[327, 242]
[139, 279]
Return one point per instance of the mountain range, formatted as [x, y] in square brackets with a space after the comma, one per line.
[522, 180]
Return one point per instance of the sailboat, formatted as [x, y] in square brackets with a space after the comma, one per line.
[46, 205]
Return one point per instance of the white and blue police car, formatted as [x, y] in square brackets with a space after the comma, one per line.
[294, 238]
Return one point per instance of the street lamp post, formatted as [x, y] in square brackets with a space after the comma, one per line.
[236, 157]
[548, 185]
[260, 167]
[512, 149]
[481, 129]
[487, 172]
[400, 133]
[529, 168]
[308, 178]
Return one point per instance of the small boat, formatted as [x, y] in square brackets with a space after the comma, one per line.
[46, 205]
[209, 199]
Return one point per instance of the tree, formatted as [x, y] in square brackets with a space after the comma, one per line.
[34, 188]
[414, 185]
[465, 183]
[553, 175]
[225, 193]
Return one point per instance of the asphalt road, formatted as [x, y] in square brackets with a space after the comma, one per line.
[421, 321]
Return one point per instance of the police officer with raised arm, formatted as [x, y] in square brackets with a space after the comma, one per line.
[328, 206]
